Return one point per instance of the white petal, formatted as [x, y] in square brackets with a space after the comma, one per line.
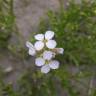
[39, 37]
[60, 50]
[29, 44]
[51, 44]
[45, 69]
[54, 64]
[39, 61]
[39, 45]
[47, 55]
[32, 52]
[49, 35]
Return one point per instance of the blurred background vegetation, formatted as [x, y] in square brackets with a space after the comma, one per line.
[6, 21]
[75, 30]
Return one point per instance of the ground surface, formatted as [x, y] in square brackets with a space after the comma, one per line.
[28, 14]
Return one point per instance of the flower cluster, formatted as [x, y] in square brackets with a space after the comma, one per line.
[45, 50]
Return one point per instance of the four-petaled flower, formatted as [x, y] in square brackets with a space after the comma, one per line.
[45, 47]
[45, 40]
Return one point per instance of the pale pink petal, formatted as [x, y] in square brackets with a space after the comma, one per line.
[47, 55]
[39, 37]
[54, 64]
[39, 45]
[60, 50]
[32, 52]
[49, 35]
[45, 69]
[51, 44]
[29, 44]
[39, 61]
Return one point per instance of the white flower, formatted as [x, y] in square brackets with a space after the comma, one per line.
[47, 55]
[32, 50]
[45, 59]
[45, 40]
[54, 64]
[39, 61]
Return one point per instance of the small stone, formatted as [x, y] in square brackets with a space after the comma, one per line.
[8, 69]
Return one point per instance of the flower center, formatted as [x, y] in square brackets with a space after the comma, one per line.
[45, 40]
[46, 62]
